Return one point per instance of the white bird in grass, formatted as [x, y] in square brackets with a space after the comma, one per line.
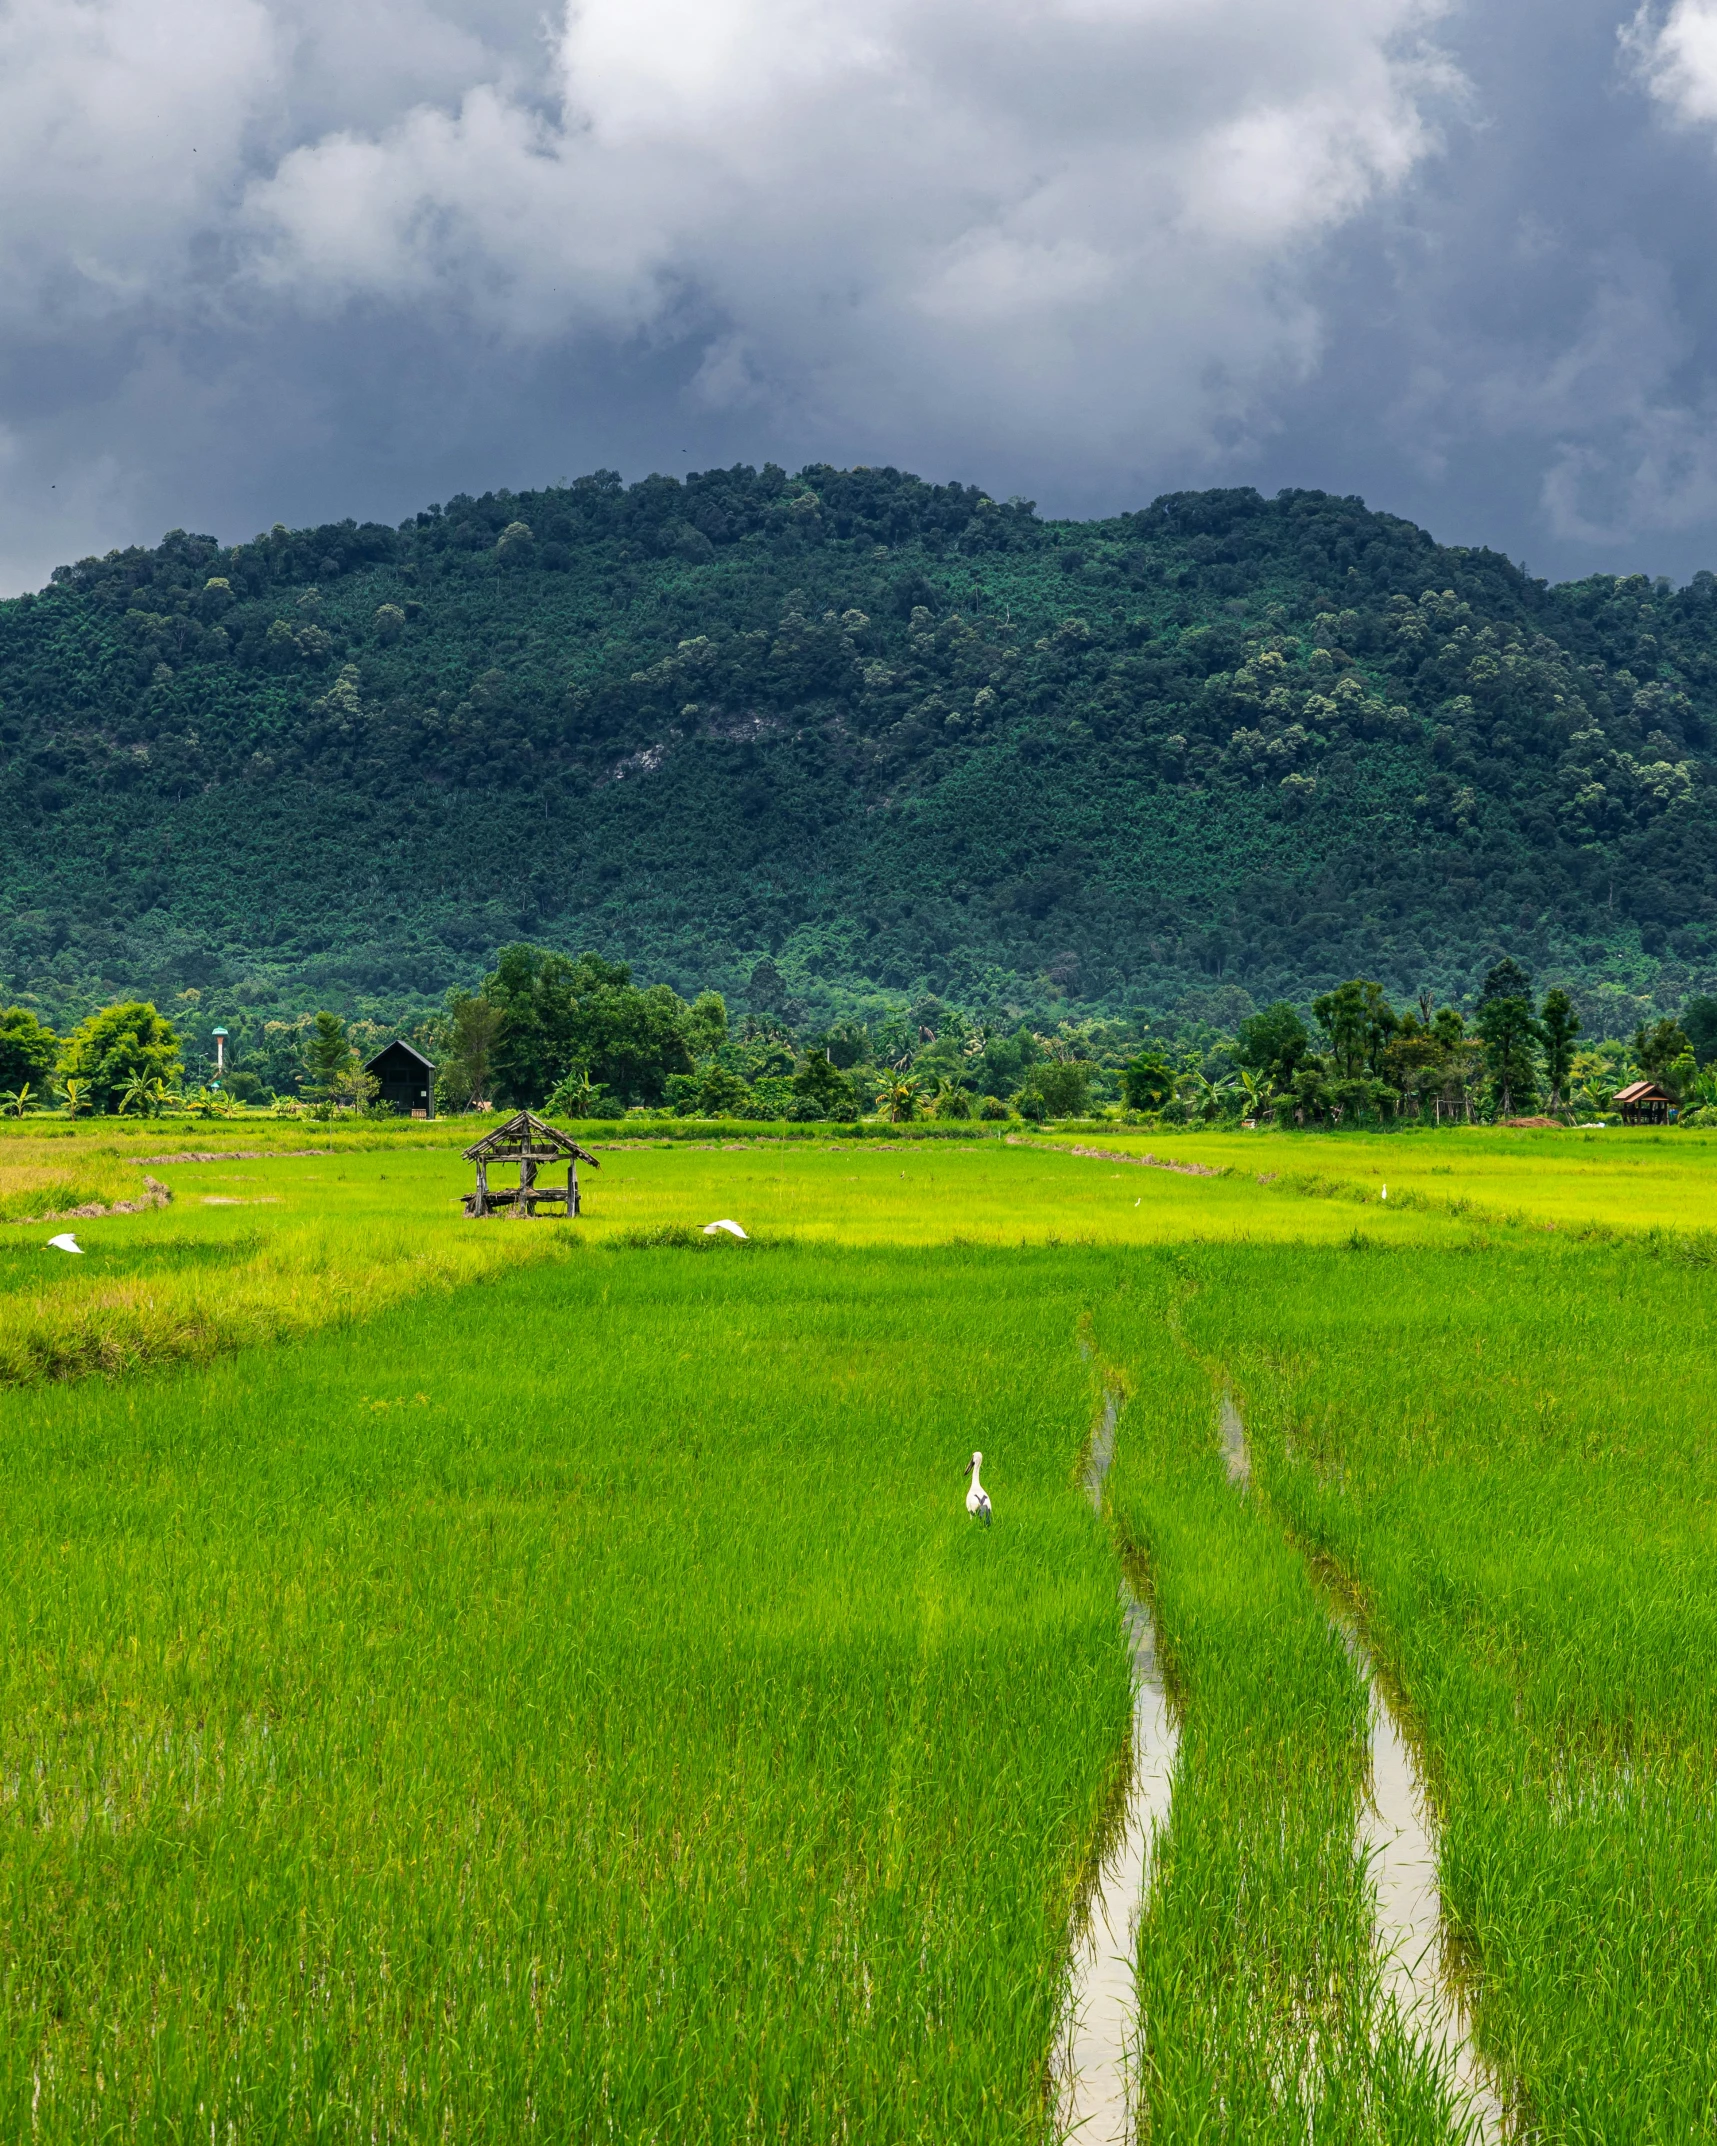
[977, 1498]
[64, 1242]
[732, 1228]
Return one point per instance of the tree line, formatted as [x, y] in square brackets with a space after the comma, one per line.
[1369, 1061]
[578, 1035]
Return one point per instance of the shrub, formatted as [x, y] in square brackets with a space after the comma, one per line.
[1058, 1089]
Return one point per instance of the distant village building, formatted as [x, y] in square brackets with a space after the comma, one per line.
[1643, 1102]
[407, 1080]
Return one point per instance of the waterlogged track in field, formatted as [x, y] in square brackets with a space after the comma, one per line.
[1397, 1836]
[1094, 2089]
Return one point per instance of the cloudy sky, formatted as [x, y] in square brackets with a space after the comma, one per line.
[296, 259]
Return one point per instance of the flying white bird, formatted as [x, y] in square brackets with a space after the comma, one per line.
[732, 1228]
[65, 1242]
[977, 1498]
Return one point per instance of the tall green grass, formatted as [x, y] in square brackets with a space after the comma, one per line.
[1627, 1179]
[272, 1247]
[1509, 1454]
[579, 1707]
[563, 1692]
[1261, 2011]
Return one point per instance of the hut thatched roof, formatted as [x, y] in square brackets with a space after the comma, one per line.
[525, 1134]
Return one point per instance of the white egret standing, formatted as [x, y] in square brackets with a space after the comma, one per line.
[977, 1498]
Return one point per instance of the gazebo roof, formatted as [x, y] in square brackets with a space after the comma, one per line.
[526, 1132]
[1643, 1091]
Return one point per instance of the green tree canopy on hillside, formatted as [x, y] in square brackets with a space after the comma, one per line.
[118, 1047]
[555, 1013]
[1272, 1043]
[27, 1049]
[1559, 1024]
[773, 733]
[327, 1058]
[1509, 1030]
[1358, 1021]
[1658, 1046]
[1147, 1081]
[1699, 1021]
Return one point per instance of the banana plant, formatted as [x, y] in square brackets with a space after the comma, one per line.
[76, 1094]
[1256, 1089]
[16, 1101]
[900, 1100]
[1205, 1096]
[150, 1095]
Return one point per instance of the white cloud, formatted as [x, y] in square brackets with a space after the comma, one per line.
[1086, 220]
[122, 125]
[1677, 56]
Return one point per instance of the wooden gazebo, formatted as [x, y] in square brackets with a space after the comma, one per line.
[527, 1141]
[1643, 1102]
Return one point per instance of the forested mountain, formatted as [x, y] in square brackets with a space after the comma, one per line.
[812, 739]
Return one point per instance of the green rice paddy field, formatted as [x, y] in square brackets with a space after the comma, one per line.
[482, 1681]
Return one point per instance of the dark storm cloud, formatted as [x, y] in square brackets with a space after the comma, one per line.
[289, 260]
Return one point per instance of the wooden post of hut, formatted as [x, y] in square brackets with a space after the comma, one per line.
[528, 1142]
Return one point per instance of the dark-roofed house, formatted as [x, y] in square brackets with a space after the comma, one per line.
[1643, 1102]
[407, 1080]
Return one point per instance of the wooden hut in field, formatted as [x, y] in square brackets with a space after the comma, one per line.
[528, 1143]
[406, 1080]
[1643, 1102]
